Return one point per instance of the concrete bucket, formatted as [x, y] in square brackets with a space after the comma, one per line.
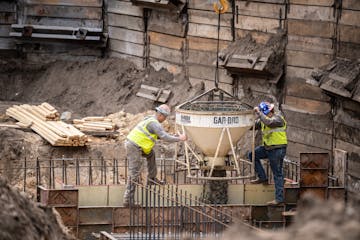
[214, 127]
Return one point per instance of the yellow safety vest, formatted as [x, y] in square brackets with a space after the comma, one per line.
[142, 137]
[274, 136]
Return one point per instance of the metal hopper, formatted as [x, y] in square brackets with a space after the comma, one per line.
[214, 127]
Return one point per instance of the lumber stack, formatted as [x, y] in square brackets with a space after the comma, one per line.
[57, 133]
[94, 124]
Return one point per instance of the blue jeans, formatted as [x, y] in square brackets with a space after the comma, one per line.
[276, 158]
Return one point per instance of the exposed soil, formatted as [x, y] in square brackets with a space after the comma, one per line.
[23, 219]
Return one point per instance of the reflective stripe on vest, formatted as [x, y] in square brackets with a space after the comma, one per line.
[274, 136]
[142, 137]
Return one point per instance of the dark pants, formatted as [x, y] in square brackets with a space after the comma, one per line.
[276, 158]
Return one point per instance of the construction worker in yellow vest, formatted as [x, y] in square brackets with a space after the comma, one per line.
[273, 148]
[140, 142]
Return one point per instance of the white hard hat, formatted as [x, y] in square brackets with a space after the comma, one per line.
[163, 109]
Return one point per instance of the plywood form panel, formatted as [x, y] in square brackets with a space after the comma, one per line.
[308, 106]
[209, 31]
[126, 35]
[125, 21]
[258, 24]
[317, 13]
[124, 7]
[167, 22]
[165, 40]
[310, 138]
[126, 47]
[307, 59]
[310, 44]
[311, 28]
[64, 12]
[166, 54]
[82, 3]
[259, 9]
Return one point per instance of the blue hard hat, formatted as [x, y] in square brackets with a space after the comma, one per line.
[265, 107]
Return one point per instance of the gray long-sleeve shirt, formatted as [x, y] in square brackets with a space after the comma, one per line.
[156, 128]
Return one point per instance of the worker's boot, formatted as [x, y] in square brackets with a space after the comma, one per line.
[259, 181]
[274, 203]
[155, 181]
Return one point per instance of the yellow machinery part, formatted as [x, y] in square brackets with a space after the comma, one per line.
[224, 6]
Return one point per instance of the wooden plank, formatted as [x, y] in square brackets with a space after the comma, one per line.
[313, 122]
[339, 165]
[8, 6]
[4, 30]
[124, 21]
[350, 17]
[327, 3]
[210, 18]
[126, 47]
[201, 58]
[166, 54]
[7, 18]
[205, 44]
[310, 138]
[174, 24]
[351, 4]
[204, 5]
[298, 88]
[66, 22]
[208, 31]
[165, 40]
[307, 59]
[265, 10]
[64, 12]
[57, 36]
[122, 7]
[349, 50]
[210, 84]
[352, 150]
[349, 34]
[81, 3]
[138, 62]
[347, 133]
[259, 24]
[294, 149]
[259, 37]
[298, 72]
[126, 35]
[307, 105]
[317, 13]
[311, 28]
[208, 73]
[310, 44]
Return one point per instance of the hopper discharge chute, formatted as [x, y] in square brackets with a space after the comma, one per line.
[214, 127]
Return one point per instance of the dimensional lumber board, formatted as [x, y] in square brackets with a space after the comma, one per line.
[205, 44]
[165, 40]
[294, 149]
[311, 28]
[66, 22]
[310, 44]
[7, 6]
[4, 30]
[125, 21]
[210, 18]
[139, 62]
[351, 4]
[257, 9]
[298, 72]
[7, 18]
[297, 87]
[126, 47]
[204, 5]
[81, 3]
[208, 73]
[259, 24]
[307, 105]
[347, 133]
[313, 122]
[327, 3]
[350, 17]
[167, 22]
[307, 59]
[166, 54]
[211, 84]
[126, 35]
[349, 33]
[309, 138]
[64, 12]
[317, 13]
[126, 8]
[201, 57]
[209, 31]
[348, 50]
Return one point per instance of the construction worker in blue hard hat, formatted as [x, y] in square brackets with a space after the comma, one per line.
[273, 148]
[140, 142]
